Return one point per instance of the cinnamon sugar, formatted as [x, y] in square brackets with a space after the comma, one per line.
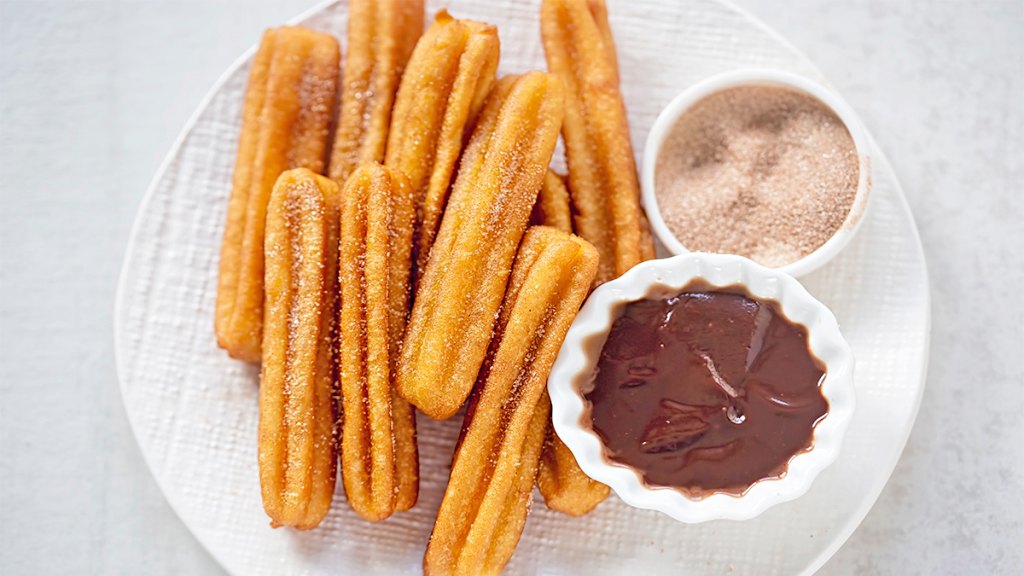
[768, 173]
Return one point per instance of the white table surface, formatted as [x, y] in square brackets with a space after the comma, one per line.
[93, 93]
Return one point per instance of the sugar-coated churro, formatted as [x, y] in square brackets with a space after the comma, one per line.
[489, 492]
[285, 123]
[297, 425]
[603, 187]
[381, 36]
[565, 487]
[448, 77]
[552, 207]
[462, 287]
[602, 171]
[378, 446]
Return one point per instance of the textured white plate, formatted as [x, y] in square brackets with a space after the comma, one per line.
[194, 410]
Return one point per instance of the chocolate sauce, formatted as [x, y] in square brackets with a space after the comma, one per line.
[706, 391]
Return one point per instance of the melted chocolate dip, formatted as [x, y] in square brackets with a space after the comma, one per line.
[706, 391]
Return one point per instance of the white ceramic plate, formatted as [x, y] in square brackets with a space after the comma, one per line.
[194, 410]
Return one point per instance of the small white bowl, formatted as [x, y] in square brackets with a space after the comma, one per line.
[760, 77]
[581, 350]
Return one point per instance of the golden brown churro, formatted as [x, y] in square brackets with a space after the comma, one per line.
[600, 12]
[464, 282]
[602, 173]
[603, 188]
[449, 75]
[565, 487]
[552, 207]
[488, 495]
[285, 122]
[381, 36]
[297, 430]
[378, 446]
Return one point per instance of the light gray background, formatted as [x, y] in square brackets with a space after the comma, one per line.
[93, 93]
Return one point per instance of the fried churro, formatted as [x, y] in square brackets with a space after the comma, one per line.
[462, 287]
[493, 470]
[378, 446]
[297, 425]
[285, 123]
[444, 87]
[381, 36]
[552, 207]
[602, 171]
[565, 487]
[603, 187]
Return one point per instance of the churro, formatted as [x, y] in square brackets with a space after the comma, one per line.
[381, 36]
[493, 470]
[603, 188]
[565, 487]
[297, 425]
[552, 207]
[443, 89]
[462, 287]
[602, 172]
[285, 123]
[378, 446]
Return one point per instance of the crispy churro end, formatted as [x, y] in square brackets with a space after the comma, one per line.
[443, 16]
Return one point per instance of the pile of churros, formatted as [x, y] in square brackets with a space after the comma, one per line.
[396, 241]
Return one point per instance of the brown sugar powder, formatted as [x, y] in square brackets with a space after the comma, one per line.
[765, 172]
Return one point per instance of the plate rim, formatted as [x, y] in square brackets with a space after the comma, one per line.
[844, 531]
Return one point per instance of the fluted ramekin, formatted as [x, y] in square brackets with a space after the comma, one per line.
[582, 349]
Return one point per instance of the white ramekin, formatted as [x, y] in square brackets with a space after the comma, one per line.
[582, 349]
[760, 77]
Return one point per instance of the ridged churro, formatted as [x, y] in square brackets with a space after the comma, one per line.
[602, 172]
[285, 123]
[443, 89]
[297, 425]
[603, 187]
[565, 487]
[381, 36]
[552, 207]
[493, 470]
[378, 446]
[462, 287]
